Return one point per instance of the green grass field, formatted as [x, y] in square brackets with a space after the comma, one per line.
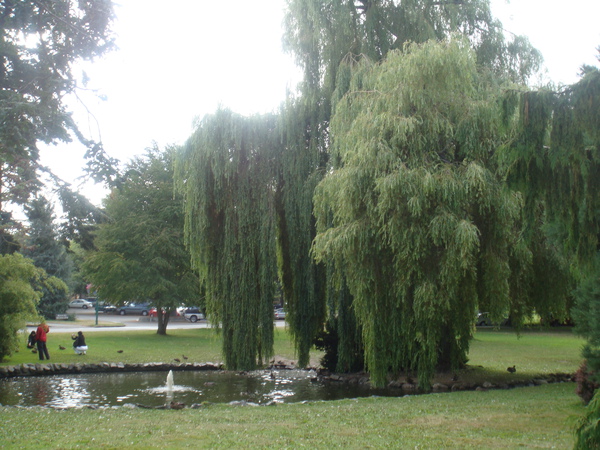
[537, 417]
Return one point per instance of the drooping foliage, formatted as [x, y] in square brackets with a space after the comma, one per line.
[20, 290]
[326, 37]
[141, 254]
[415, 216]
[300, 163]
[321, 33]
[226, 174]
[554, 158]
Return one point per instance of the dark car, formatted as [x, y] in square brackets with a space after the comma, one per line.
[484, 320]
[106, 307]
[134, 308]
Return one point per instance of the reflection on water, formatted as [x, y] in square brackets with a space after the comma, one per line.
[189, 387]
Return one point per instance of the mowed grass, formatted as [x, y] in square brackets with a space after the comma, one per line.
[533, 352]
[198, 344]
[540, 417]
[531, 417]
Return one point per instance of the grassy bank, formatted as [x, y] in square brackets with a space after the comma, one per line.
[540, 417]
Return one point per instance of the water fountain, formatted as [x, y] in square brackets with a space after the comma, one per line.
[169, 386]
[151, 389]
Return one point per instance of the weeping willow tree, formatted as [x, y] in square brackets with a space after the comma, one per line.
[325, 36]
[415, 217]
[220, 164]
[554, 158]
[226, 174]
[300, 163]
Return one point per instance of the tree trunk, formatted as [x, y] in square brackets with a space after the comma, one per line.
[163, 321]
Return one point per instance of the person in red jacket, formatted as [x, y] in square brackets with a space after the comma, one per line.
[40, 338]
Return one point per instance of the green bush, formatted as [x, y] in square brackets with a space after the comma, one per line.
[588, 429]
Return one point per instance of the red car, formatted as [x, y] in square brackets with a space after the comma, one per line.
[152, 312]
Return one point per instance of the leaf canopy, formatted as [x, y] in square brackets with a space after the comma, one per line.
[415, 215]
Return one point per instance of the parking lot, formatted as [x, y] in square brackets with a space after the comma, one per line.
[119, 322]
[116, 322]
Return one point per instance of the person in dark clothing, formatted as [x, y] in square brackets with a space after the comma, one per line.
[40, 340]
[31, 340]
[79, 343]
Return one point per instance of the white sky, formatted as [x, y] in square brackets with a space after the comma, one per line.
[178, 60]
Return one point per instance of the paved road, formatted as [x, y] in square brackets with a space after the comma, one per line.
[127, 322]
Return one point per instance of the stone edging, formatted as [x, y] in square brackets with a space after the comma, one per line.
[413, 388]
[39, 369]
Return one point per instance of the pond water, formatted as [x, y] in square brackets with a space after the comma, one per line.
[151, 389]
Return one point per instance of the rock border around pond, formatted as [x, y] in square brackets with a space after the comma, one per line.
[413, 388]
[40, 369]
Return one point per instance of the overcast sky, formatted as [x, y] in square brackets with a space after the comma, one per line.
[181, 59]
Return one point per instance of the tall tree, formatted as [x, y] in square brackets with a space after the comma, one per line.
[415, 216]
[554, 158]
[43, 247]
[40, 41]
[140, 251]
[226, 173]
[326, 37]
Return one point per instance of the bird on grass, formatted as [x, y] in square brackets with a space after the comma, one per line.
[119, 351]
[177, 360]
[184, 357]
[512, 369]
[62, 348]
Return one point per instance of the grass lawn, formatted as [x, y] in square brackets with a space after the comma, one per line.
[198, 344]
[538, 417]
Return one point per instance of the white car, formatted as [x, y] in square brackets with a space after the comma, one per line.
[193, 314]
[80, 303]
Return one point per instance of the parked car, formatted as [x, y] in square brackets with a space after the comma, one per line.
[152, 312]
[106, 307]
[280, 314]
[80, 303]
[193, 314]
[134, 308]
[483, 319]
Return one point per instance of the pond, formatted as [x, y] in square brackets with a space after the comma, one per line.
[190, 387]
